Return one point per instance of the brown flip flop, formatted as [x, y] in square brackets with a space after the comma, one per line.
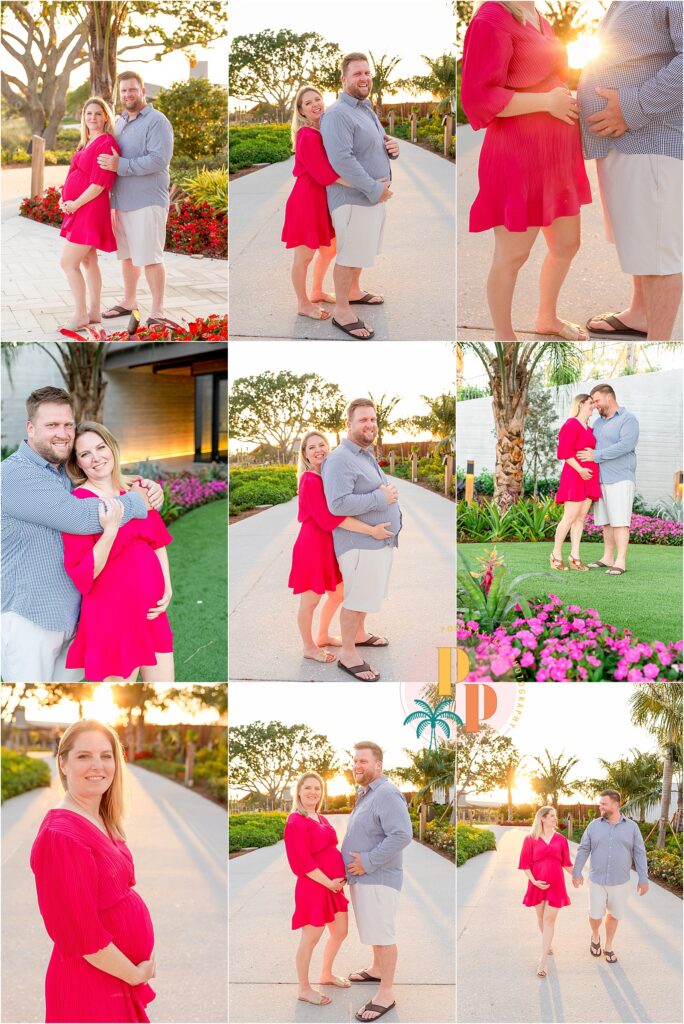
[358, 325]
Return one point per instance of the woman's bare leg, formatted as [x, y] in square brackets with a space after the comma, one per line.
[70, 262]
[337, 933]
[511, 250]
[120, 679]
[570, 510]
[93, 276]
[162, 672]
[307, 943]
[333, 600]
[324, 257]
[300, 266]
[563, 241]
[577, 528]
[308, 602]
[550, 915]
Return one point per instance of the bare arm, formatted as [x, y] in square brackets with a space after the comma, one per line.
[92, 192]
[582, 470]
[533, 880]
[380, 532]
[112, 961]
[335, 884]
[559, 102]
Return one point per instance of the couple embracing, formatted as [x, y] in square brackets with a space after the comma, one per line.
[370, 862]
[532, 175]
[336, 208]
[116, 198]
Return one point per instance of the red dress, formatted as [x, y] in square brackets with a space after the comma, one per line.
[314, 565]
[308, 845]
[92, 223]
[573, 438]
[307, 218]
[114, 635]
[84, 882]
[546, 862]
[531, 167]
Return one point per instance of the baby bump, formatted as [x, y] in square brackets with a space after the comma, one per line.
[135, 577]
[130, 925]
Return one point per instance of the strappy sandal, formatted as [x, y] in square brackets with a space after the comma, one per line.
[322, 1000]
[357, 325]
[541, 973]
[595, 946]
[322, 314]
[557, 563]
[577, 564]
[337, 982]
[610, 956]
[569, 332]
[323, 656]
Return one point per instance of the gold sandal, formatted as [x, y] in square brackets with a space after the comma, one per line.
[577, 564]
[558, 563]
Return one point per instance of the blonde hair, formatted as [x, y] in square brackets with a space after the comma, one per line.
[297, 805]
[77, 475]
[517, 10]
[109, 119]
[303, 464]
[576, 402]
[538, 819]
[112, 804]
[297, 120]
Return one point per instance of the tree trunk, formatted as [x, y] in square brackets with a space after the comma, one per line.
[665, 801]
[509, 404]
[510, 802]
[102, 46]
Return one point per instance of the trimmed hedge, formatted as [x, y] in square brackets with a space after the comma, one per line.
[264, 485]
[258, 144]
[471, 841]
[21, 773]
[257, 829]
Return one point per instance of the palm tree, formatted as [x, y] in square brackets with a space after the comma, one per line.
[331, 414]
[441, 81]
[637, 779]
[436, 718]
[440, 421]
[657, 707]
[427, 772]
[81, 366]
[512, 764]
[382, 70]
[553, 776]
[509, 367]
[383, 411]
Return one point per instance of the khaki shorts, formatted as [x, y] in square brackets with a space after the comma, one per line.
[366, 577]
[359, 231]
[141, 235]
[31, 654]
[611, 898]
[375, 911]
[614, 507]
[642, 210]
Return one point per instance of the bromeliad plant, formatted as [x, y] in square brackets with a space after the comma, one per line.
[486, 596]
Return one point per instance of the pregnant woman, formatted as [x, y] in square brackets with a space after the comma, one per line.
[531, 171]
[87, 225]
[544, 856]
[312, 853]
[102, 958]
[314, 566]
[122, 573]
[579, 483]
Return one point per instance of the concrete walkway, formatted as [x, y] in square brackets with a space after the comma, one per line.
[594, 285]
[414, 273]
[262, 970]
[178, 842]
[36, 301]
[416, 616]
[498, 946]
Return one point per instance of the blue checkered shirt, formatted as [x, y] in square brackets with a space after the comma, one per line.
[641, 57]
[37, 507]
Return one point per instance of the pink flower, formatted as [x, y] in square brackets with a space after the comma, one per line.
[500, 666]
[527, 659]
[651, 671]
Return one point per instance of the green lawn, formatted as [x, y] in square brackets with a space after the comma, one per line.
[647, 599]
[198, 612]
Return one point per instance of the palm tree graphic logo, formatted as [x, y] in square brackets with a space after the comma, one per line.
[434, 719]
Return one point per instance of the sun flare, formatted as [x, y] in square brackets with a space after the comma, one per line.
[582, 50]
[102, 705]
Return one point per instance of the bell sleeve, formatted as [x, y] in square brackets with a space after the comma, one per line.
[565, 855]
[154, 531]
[79, 560]
[66, 882]
[567, 440]
[312, 156]
[98, 175]
[297, 846]
[312, 502]
[487, 52]
[525, 863]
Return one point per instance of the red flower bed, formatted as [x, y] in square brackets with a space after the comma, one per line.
[211, 328]
[192, 228]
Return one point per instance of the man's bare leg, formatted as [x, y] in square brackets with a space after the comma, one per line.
[386, 959]
[662, 298]
[344, 278]
[621, 535]
[156, 279]
[350, 623]
[635, 314]
[608, 556]
[130, 276]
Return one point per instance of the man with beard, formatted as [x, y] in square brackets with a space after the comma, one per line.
[360, 152]
[140, 197]
[355, 485]
[40, 604]
[612, 841]
[378, 830]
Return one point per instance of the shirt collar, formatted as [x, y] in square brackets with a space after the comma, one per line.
[27, 452]
[353, 447]
[353, 102]
[373, 785]
[141, 113]
[621, 818]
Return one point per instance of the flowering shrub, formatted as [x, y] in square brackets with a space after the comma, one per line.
[470, 841]
[211, 328]
[565, 643]
[45, 209]
[185, 492]
[643, 530]
[195, 228]
[440, 835]
[666, 865]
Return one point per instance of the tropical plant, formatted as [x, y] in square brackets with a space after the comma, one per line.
[382, 71]
[657, 707]
[210, 187]
[512, 763]
[383, 411]
[440, 421]
[540, 433]
[429, 770]
[487, 596]
[637, 778]
[440, 82]
[434, 718]
[553, 777]
[510, 367]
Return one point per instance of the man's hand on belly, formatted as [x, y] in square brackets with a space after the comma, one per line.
[609, 121]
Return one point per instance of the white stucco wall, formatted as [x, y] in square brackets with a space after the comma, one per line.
[654, 398]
